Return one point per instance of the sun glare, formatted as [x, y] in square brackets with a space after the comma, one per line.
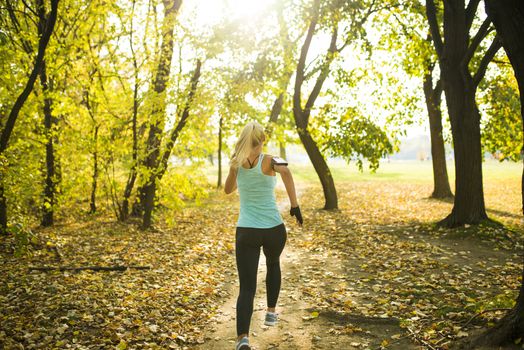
[212, 11]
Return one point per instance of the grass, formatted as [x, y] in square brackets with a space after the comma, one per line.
[403, 171]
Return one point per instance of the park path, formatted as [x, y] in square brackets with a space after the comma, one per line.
[303, 323]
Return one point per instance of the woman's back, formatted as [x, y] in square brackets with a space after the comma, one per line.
[258, 207]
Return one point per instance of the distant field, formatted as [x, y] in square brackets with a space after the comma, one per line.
[404, 171]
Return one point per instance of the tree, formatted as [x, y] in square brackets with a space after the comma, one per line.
[7, 129]
[455, 51]
[433, 96]
[508, 18]
[333, 15]
[419, 59]
[158, 113]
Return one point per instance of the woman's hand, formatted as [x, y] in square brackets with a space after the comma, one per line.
[295, 211]
[231, 181]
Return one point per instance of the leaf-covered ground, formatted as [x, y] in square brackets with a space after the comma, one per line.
[377, 273]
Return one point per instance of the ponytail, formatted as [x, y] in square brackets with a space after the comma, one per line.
[251, 137]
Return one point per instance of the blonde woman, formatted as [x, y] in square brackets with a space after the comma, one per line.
[259, 223]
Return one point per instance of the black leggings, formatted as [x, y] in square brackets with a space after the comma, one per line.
[247, 247]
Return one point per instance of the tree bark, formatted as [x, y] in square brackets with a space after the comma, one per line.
[321, 168]
[301, 114]
[19, 103]
[131, 179]
[158, 113]
[283, 150]
[124, 212]
[50, 129]
[220, 123]
[433, 95]
[455, 52]
[508, 18]
[92, 204]
[3, 210]
[182, 122]
[162, 166]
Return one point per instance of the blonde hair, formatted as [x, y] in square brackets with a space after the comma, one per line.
[251, 137]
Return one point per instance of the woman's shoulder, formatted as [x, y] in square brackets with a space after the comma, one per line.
[267, 158]
[266, 164]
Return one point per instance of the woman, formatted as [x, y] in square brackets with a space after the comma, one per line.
[259, 223]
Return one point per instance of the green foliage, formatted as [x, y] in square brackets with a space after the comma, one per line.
[177, 188]
[24, 238]
[355, 138]
[502, 129]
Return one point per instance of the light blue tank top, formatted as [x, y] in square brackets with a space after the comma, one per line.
[258, 205]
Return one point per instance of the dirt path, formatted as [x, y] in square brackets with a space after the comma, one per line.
[300, 327]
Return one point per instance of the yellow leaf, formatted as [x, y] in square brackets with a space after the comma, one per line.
[122, 345]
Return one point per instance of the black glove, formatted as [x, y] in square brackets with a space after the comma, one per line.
[296, 213]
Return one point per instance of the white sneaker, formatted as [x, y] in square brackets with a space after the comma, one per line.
[271, 319]
[243, 344]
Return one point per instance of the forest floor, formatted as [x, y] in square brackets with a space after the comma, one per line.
[377, 273]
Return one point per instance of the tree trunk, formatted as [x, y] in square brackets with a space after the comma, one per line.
[321, 168]
[175, 132]
[158, 112]
[124, 212]
[301, 114]
[3, 210]
[441, 188]
[283, 150]
[455, 53]
[161, 167]
[50, 130]
[19, 103]
[92, 204]
[468, 207]
[124, 208]
[220, 123]
[275, 113]
[508, 18]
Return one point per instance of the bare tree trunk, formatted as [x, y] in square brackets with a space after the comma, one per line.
[19, 103]
[301, 114]
[124, 212]
[3, 210]
[283, 150]
[162, 166]
[455, 53]
[220, 123]
[441, 188]
[158, 114]
[181, 123]
[321, 168]
[50, 130]
[92, 204]
[508, 18]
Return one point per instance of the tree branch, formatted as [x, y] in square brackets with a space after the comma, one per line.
[330, 55]
[477, 39]
[19, 103]
[471, 9]
[431, 14]
[488, 56]
[183, 120]
[299, 77]
[29, 8]
[92, 268]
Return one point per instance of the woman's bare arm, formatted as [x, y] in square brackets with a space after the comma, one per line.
[287, 178]
[231, 181]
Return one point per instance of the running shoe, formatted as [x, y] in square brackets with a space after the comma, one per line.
[271, 319]
[243, 344]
